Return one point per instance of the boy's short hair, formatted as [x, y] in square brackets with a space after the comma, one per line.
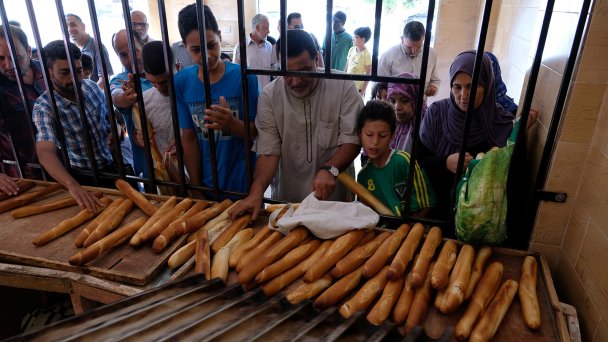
[187, 20]
[375, 110]
[378, 86]
[153, 58]
[87, 62]
[364, 32]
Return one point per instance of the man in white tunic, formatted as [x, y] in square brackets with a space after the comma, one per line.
[259, 50]
[306, 132]
[407, 57]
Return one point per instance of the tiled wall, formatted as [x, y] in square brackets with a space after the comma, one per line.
[573, 235]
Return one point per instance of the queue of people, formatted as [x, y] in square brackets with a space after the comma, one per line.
[302, 132]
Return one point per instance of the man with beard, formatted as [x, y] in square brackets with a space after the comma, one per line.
[307, 132]
[73, 128]
[88, 45]
[406, 57]
[15, 131]
[140, 25]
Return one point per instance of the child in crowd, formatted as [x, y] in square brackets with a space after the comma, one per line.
[404, 98]
[379, 91]
[87, 66]
[225, 115]
[359, 60]
[386, 173]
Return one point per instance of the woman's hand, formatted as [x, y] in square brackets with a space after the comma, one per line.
[451, 162]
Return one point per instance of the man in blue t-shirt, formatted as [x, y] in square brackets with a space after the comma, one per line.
[226, 114]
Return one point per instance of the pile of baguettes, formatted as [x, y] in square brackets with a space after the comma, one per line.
[383, 273]
[162, 226]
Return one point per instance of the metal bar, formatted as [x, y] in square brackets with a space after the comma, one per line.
[336, 76]
[49, 85]
[138, 310]
[283, 43]
[245, 90]
[471, 106]
[547, 156]
[420, 101]
[234, 324]
[382, 332]
[300, 334]
[340, 329]
[20, 83]
[172, 313]
[328, 36]
[78, 93]
[106, 89]
[162, 13]
[202, 29]
[170, 335]
[137, 84]
[271, 325]
[376, 47]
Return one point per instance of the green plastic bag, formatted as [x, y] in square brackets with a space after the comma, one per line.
[481, 201]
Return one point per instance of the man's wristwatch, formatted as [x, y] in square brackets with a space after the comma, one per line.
[332, 169]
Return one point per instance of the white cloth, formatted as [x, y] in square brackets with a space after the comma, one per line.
[158, 112]
[326, 219]
[259, 56]
[395, 62]
[305, 132]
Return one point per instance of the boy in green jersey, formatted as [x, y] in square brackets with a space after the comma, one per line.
[385, 174]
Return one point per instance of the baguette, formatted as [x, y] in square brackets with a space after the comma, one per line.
[184, 269]
[182, 255]
[68, 224]
[109, 223]
[247, 246]
[480, 261]
[219, 265]
[387, 249]
[307, 291]
[164, 221]
[107, 243]
[259, 250]
[358, 256]
[492, 317]
[43, 208]
[288, 261]
[446, 260]
[404, 303]
[195, 222]
[363, 194]
[28, 197]
[527, 293]
[278, 283]
[235, 226]
[383, 307]
[137, 197]
[170, 233]
[339, 290]
[84, 234]
[421, 267]
[406, 252]
[214, 232]
[420, 304]
[223, 216]
[202, 257]
[275, 252]
[459, 279]
[366, 294]
[338, 249]
[22, 184]
[137, 240]
[483, 294]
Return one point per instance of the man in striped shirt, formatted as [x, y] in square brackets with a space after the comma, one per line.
[73, 129]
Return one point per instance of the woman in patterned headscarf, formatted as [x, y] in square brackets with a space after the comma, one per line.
[442, 128]
[404, 98]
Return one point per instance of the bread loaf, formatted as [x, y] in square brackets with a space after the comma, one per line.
[384, 306]
[459, 279]
[358, 256]
[28, 197]
[446, 260]
[162, 223]
[195, 222]
[22, 184]
[235, 226]
[338, 249]
[406, 252]
[44, 208]
[427, 252]
[202, 257]
[385, 252]
[164, 209]
[219, 265]
[84, 234]
[170, 233]
[420, 304]
[236, 254]
[137, 197]
[309, 290]
[480, 261]
[258, 250]
[338, 290]
[528, 299]
[366, 294]
[109, 223]
[492, 317]
[288, 261]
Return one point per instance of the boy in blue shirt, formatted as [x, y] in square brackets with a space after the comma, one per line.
[385, 174]
[225, 116]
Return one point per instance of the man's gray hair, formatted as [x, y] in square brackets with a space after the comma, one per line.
[257, 20]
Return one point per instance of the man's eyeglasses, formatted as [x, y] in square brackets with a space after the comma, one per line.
[142, 25]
